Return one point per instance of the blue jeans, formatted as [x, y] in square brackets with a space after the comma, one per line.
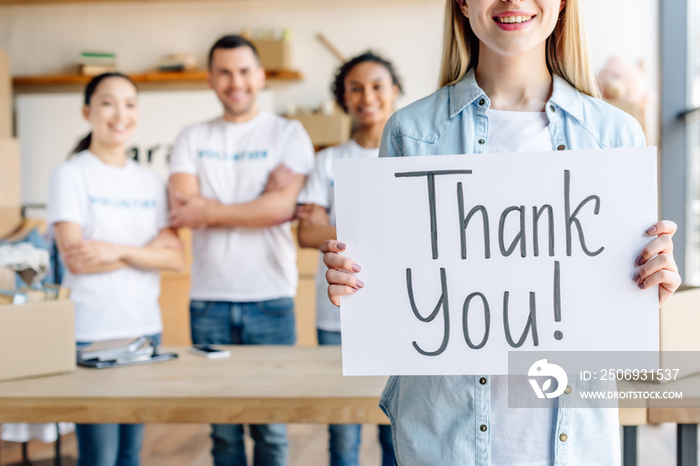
[109, 444]
[345, 438]
[257, 323]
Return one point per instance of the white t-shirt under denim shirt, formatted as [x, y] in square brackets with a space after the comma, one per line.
[447, 419]
[232, 162]
[320, 190]
[121, 205]
[528, 428]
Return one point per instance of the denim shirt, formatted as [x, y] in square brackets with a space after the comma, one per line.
[445, 420]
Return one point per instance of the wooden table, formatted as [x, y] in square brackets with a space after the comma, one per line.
[257, 384]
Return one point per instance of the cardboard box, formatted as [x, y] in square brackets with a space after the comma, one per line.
[175, 308]
[26, 226]
[175, 298]
[10, 219]
[679, 326]
[274, 54]
[10, 187]
[326, 130]
[305, 310]
[12, 297]
[36, 339]
[8, 280]
[305, 299]
[5, 96]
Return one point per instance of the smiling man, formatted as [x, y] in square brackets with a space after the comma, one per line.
[234, 181]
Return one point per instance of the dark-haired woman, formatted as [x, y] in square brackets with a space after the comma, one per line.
[366, 88]
[109, 219]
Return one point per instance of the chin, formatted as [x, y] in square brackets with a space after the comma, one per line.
[118, 142]
[370, 120]
[240, 108]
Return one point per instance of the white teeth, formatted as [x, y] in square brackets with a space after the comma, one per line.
[514, 19]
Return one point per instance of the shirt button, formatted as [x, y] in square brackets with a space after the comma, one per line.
[482, 428]
[563, 437]
[567, 390]
[552, 108]
[482, 141]
[561, 147]
[482, 381]
[482, 101]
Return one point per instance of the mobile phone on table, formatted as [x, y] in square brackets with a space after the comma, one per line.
[209, 352]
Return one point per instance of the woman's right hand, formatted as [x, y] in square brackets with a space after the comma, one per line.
[340, 274]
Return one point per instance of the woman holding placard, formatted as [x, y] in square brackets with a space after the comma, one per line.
[515, 78]
[110, 221]
[366, 88]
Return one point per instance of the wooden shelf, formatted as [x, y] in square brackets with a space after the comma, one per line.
[154, 77]
[51, 2]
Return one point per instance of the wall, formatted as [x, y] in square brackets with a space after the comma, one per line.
[47, 38]
[141, 32]
[618, 28]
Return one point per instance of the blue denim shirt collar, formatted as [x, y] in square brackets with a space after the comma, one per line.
[466, 91]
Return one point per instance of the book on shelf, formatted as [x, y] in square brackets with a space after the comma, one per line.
[94, 70]
[94, 63]
[97, 62]
[177, 62]
[98, 57]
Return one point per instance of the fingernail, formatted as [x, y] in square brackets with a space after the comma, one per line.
[356, 268]
[360, 284]
[354, 290]
[637, 279]
[641, 286]
[341, 246]
[639, 261]
[651, 230]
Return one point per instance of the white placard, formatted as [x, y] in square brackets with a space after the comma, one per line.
[568, 287]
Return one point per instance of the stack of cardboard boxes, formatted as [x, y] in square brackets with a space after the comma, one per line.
[36, 338]
[10, 202]
[275, 54]
[327, 129]
[679, 325]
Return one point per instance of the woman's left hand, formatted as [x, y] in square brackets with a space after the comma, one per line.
[656, 263]
[314, 214]
[167, 239]
[279, 178]
[88, 253]
[189, 211]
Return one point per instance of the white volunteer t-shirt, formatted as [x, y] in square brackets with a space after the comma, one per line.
[319, 190]
[122, 205]
[529, 429]
[232, 162]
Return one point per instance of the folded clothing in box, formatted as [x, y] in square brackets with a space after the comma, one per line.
[10, 187]
[30, 262]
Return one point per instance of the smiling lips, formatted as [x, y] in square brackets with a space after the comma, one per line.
[236, 95]
[119, 128]
[513, 20]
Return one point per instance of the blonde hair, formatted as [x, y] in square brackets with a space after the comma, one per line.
[566, 48]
